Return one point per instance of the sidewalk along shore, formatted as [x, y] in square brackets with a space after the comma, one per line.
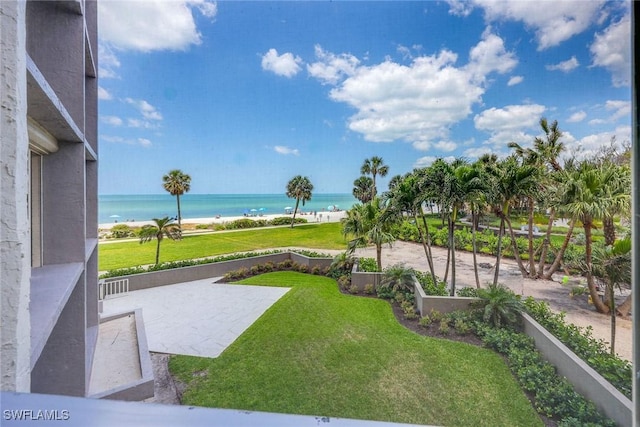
[311, 218]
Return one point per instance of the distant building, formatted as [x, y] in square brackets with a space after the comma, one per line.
[48, 211]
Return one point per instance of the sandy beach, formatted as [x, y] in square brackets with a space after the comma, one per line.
[325, 216]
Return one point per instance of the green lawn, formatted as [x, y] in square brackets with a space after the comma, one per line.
[132, 253]
[319, 352]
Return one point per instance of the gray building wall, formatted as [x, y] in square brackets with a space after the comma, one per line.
[49, 108]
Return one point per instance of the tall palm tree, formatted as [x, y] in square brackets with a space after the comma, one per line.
[612, 265]
[590, 201]
[177, 183]
[162, 227]
[299, 188]
[374, 166]
[369, 223]
[363, 188]
[405, 195]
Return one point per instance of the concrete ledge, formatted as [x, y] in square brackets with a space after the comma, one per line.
[142, 388]
[361, 278]
[214, 269]
[585, 379]
[425, 303]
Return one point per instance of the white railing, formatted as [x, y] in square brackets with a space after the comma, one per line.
[112, 287]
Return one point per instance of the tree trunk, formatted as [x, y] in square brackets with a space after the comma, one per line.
[532, 261]
[499, 254]
[474, 247]
[625, 308]
[609, 230]
[545, 244]
[597, 302]
[558, 260]
[452, 243]
[446, 270]
[158, 251]
[612, 308]
[179, 213]
[516, 252]
[426, 246]
[379, 256]
[294, 212]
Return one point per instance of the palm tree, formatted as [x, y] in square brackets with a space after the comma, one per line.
[374, 166]
[162, 227]
[612, 265]
[591, 200]
[299, 188]
[405, 195]
[363, 189]
[177, 183]
[369, 223]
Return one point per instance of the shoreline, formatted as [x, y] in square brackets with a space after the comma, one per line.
[325, 216]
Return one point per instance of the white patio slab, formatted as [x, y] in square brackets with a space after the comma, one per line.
[199, 318]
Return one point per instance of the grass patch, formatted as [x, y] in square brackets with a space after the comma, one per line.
[131, 254]
[319, 352]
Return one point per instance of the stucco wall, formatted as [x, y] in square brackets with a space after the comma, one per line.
[585, 380]
[15, 246]
[204, 271]
[425, 303]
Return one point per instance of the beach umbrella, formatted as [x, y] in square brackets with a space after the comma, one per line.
[288, 208]
[262, 209]
[254, 210]
[114, 216]
[330, 207]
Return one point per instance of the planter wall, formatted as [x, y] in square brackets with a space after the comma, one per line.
[585, 379]
[425, 303]
[217, 269]
[361, 278]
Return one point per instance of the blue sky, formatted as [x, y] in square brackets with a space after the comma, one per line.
[245, 95]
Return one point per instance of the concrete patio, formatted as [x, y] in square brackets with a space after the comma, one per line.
[199, 318]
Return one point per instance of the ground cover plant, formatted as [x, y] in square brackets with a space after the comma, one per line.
[132, 254]
[317, 351]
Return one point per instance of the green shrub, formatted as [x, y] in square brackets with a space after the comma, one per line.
[353, 289]
[316, 270]
[500, 305]
[425, 321]
[581, 341]
[444, 327]
[437, 289]
[385, 293]
[368, 265]
[342, 264]
[461, 327]
[344, 282]
[284, 220]
[435, 315]
[467, 292]
[203, 226]
[369, 289]
[120, 231]
[242, 223]
[399, 278]
[553, 396]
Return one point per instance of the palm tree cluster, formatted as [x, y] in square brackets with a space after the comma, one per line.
[531, 180]
[299, 188]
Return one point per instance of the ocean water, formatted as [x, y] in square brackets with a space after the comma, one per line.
[144, 207]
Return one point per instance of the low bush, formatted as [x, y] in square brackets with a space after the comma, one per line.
[203, 226]
[353, 289]
[369, 289]
[467, 292]
[425, 321]
[284, 220]
[581, 341]
[430, 288]
[368, 265]
[553, 396]
[120, 231]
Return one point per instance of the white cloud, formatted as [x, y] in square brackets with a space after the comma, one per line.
[577, 117]
[147, 110]
[144, 142]
[331, 68]
[418, 102]
[590, 145]
[477, 152]
[515, 80]
[108, 63]
[426, 161]
[120, 140]
[597, 122]
[460, 8]
[611, 49]
[552, 22]
[152, 24]
[281, 149]
[103, 94]
[621, 109]
[141, 124]
[509, 123]
[490, 55]
[285, 65]
[112, 120]
[564, 66]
